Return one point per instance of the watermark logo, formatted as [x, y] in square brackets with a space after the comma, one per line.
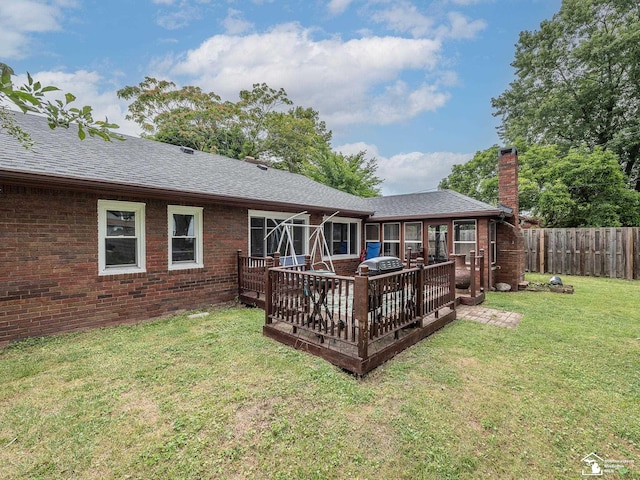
[596, 466]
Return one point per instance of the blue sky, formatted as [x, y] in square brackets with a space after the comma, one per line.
[408, 81]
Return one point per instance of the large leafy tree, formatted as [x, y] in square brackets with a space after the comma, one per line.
[31, 97]
[578, 82]
[353, 174]
[262, 124]
[186, 116]
[581, 188]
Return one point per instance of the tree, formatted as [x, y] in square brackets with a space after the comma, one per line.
[581, 188]
[350, 173]
[587, 189]
[578, 82]
[186, 116]
[262, 124]
[30, 97]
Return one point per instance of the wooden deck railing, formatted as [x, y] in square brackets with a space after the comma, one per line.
[358, 322]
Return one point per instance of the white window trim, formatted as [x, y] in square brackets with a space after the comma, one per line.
[397, 242]
[139, 210]
[456, 242]
[420, 241]
[279, 217]
[377, 226]
[348, 221]
[197, 217]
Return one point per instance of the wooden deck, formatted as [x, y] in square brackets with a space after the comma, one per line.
[356, 323]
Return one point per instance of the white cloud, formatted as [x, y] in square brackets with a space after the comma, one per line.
[234, 23]
[86, 86]
[367, 80]
[404, 17]
[183, 16]
[409, 172]
[20, 18]
[462, 27]
[336, 7]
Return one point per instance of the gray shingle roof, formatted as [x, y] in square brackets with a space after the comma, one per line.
[440, 203]
[138, 162]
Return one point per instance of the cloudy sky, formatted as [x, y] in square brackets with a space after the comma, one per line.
[408, 81]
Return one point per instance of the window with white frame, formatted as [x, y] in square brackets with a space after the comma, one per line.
[413, 239]
[121, 241]
[371, 232]
[266, 236]
[464, 237]
[343, 236]
[391, 239]
[437, 243]
[493, 243]
[185, 237]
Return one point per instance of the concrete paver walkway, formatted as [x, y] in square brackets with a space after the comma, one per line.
[489, 316]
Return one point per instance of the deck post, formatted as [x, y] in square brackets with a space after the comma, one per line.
[482, 286]
[452, 282]
[268, 297]
[307, 262]
[276, 259]
[472, 267]
[420, 292]
[240, 271]
[361, 310]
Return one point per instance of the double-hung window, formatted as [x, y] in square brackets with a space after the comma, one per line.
[464, 237]
[391, 239]
[121, 240]
[413, 239]
[342, 236]
[185, 237]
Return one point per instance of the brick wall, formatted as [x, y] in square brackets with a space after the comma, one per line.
[49, 279]
[510, 240]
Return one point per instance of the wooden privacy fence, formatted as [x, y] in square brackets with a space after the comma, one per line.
[596, 252]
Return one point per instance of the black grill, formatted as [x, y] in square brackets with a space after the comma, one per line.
[380, 265]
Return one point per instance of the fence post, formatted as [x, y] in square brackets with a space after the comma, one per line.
[361, 310]
[629, 255]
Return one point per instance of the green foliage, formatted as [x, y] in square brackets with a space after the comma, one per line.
[262, 124]
[587, 189]
[578, 82]
[478, 178]
[350, 173]
[581, 188]
[31, 97]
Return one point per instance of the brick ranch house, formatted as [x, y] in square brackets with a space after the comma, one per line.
[100, 233]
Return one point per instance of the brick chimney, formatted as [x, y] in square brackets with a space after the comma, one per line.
[509, 238]
[508, 181]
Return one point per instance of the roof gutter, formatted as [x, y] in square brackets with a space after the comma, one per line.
[39, 180]
[482, 213]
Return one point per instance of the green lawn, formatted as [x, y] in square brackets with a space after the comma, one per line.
[212, 398]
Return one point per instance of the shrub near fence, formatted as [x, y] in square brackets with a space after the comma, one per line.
[596, 252]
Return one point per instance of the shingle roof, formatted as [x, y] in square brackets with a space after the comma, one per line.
[141, 164]
[138, 162]
[440, 203]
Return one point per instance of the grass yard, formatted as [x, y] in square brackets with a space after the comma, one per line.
[211, 397]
